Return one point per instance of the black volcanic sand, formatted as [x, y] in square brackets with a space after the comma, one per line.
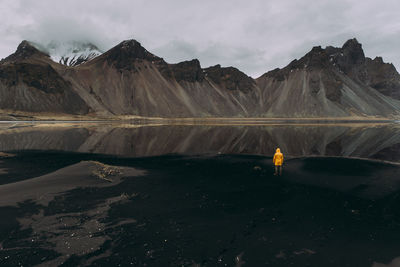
[226, 210]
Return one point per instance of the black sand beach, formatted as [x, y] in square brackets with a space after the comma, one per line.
[74, 209]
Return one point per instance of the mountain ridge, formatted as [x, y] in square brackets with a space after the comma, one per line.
[130, 80]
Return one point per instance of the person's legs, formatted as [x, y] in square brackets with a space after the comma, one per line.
[276, 170]
[280, 170]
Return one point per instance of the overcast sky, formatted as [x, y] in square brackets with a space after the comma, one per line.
[254, 36]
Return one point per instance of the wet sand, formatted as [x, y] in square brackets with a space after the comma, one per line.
[70, 209]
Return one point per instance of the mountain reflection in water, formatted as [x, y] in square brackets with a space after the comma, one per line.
[379, 141]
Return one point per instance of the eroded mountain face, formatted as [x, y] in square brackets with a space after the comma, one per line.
[129, 80]
[126, 54]
[29, 82]
[373, 72]
[383, 77]
[335, 81]
[230, 78]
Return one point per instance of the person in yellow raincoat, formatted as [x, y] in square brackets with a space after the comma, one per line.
[278, 161]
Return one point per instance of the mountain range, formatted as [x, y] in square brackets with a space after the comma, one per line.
[129, 80]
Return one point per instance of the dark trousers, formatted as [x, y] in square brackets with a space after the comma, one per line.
[278, 170]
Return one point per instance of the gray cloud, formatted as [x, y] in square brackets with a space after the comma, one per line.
[254, 36]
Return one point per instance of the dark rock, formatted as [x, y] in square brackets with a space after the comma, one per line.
[40, 77]
[189, 71]
[332, 51]
[316, 59]
[383, 77]
[353, 52]
[351, 60]
[125, 54]
[333, 87]
[37, 87]
[24, 50]
[230, 78]
[277, 74]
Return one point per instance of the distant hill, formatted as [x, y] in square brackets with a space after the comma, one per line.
[129, 80]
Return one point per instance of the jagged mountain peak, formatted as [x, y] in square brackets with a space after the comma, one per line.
[378, 59]
[229, 77]
[352, 43]
[24, 50]
[190, 64]
[353, 52]
[25, 47]
[125, 53]
[189, 71]
[127, 44]
[344, 59]
[316, 58]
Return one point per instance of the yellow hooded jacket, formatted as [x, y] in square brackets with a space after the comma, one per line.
[278, 158]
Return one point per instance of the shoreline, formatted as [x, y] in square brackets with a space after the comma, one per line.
[17, 116]
[207, 121]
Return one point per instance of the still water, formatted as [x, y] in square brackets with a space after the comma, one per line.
[376, 141]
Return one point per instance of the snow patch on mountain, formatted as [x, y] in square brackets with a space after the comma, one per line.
[71, 53]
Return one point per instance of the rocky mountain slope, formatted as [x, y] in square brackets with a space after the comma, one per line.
[129, 80]
[335, 81]
[30, 81]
